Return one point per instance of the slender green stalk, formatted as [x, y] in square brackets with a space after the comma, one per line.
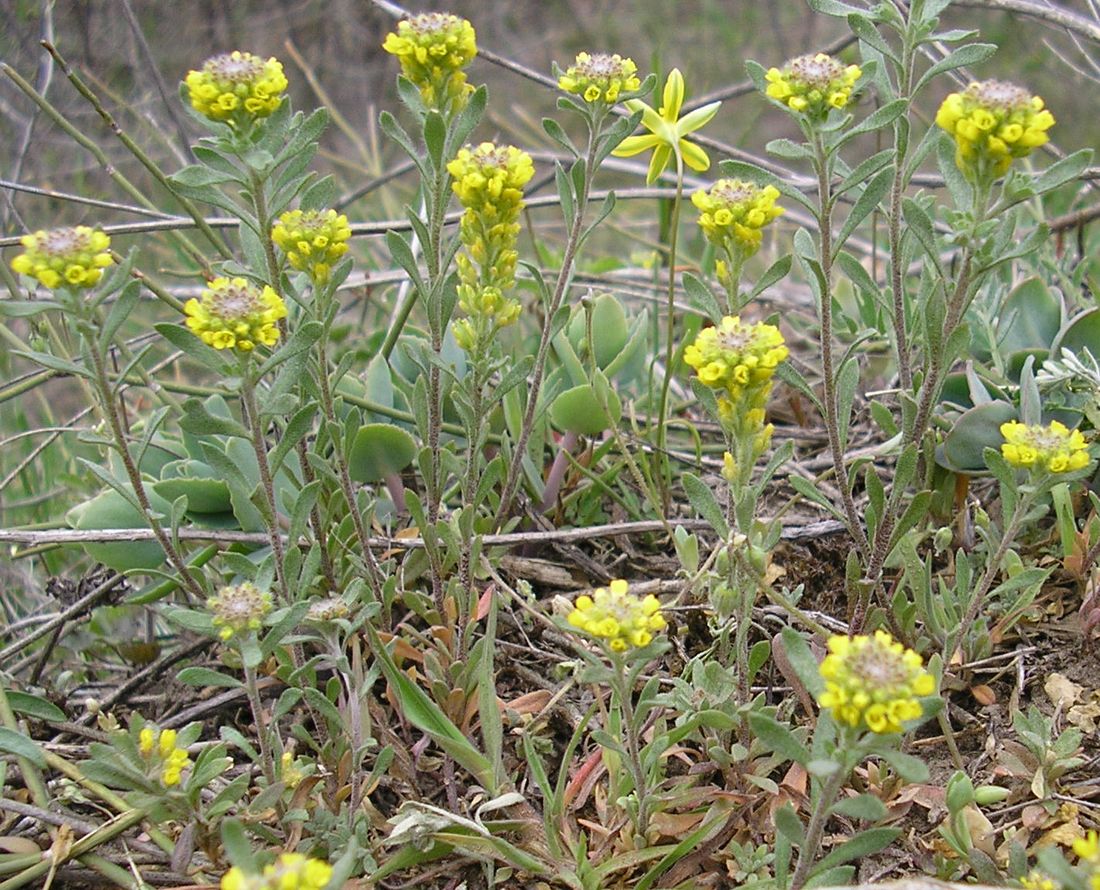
[266, 760]
[807, 852]
[670, 339]
[631, 733]
[267, 485]
[823, 168]
[110, 413]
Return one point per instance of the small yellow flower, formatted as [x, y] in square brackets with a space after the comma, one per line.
[289, 773]
[613, 614]
[433, 48]
[873, 682]
[237, 88]
[600, 77]
[328, 609]
[813, 84]
[993, 122]
[312, 240]
[159, 748]
[291, 871]
[239, 609]
[234, 314]
[1087, 848]
[668, 131]
[1054, 447]
[73, 258]
[732, 214]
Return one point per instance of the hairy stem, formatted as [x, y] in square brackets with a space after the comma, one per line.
[807, 852]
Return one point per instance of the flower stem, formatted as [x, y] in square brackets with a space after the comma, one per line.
[633, 750]
[256, 705]
[807, 852]
[271, 513]
[670, 339]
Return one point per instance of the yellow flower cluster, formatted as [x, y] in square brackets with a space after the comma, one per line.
[1054, 447]
[813, 84]
[739, 360]
[613, 614]
[433, 48]
[73, 257]
[312, 240]
[732, 214]
[1087, 849]
[234, 314]
[239, 609]
[236, 88]
[289, 772]
[1037, 880]
[291, 871]
[993, 122]
[873, 682]
[159, 745]
[600, 77]
[488, 181]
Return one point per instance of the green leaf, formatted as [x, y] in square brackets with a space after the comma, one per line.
[862, 806]
[200, 676]
[964, 56]
[705, 503]
[33, 706]
[868, 200]
[789, 825]
[778, 738]
[909, 768]
[1066, 170]
[12, 742]
[198, 421]
[802, 661]
[866, 843]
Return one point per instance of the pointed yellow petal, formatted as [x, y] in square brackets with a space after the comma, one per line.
[694, 156]
[661, 155]
[650, 119]
[633, 145]
[700, 117]
[673, 96]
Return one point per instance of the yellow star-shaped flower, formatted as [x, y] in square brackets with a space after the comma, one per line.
[668, 131]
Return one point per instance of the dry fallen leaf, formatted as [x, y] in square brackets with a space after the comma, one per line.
[983, 694]
[1085, 716]
[1062, 691]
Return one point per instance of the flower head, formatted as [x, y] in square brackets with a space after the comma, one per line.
[993, 122]
[1087, 848]
[813, 84]
[72, 258]
[234, 314]
[732, 213]
[600, 77]
[237, 88]
[488, 181]
[312, 240]
[158, 746]
[873, 682]
[738, 358]
[321, 611]
[613, 614]
[1054, 447]
[291, 871]
[239, 609]
[433, 48]
[1037, 880]
[668, 131]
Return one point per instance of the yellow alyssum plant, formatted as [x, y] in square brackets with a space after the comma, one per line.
[313, 240]
[600, 77]
[68, 257]
[873, 682]
[617, 617]
[233, 313]
[159, 746]
[489, 181]
[992, 123]
[813, 84]
[237, 88]
[1053, 447]
[239, 609]
[291, 871]
[433, 48]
